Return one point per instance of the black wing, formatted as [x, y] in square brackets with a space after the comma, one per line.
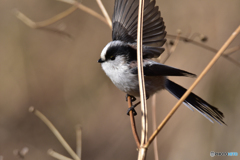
[158, 69]
[124, 23]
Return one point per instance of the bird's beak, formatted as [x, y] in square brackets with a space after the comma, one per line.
[100, 61]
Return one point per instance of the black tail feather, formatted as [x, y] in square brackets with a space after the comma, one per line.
[198, 103]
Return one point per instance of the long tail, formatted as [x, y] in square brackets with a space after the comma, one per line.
[198, 103]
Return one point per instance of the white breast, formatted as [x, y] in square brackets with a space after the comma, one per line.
[122, 78]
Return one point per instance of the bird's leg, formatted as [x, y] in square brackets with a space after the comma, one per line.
[135, 105]
[132, 98]
[132, 109]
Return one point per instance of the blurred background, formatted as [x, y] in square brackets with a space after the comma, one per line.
[60, 77]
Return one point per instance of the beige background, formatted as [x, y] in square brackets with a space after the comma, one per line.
[61, 77]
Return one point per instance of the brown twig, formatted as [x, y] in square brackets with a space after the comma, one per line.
[55, 132]
[231, 50]
[173, 48]
[154, 125]
[104, 11]
[215, 58]
[79, 141]
[44, 23]
[85, 9]
[176, 41]
[56, 155]
[169, 52]
[133, 124]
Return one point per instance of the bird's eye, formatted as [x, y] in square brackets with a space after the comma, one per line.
[112, 57]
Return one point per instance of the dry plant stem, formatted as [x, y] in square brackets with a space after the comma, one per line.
[109, 21]
[79, 141]
[133, 125]
[169, 52]
[45, 23]
[227, 52]
[215, 58]
[140, 73]
[173, 48]
[85, 9]
[142, 151]
[207, 47]
[57, 155]
[55, 132]
[231, 50]
[154, 123]
[193, 42]
[232, 60]
[176, 41]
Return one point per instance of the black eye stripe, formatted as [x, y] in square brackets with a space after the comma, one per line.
[125, 50]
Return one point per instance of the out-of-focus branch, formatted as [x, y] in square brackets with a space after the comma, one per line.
[230, 51]
[55, 132]
[104, 11]
[173, 48]
[176, 41]
[79, 141]
[215, 58]
[85, 9]
[56, 155]
[226, 55]
[154, 121]
[133, 125]
[44, 23]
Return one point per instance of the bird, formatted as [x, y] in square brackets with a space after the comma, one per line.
[118, 58]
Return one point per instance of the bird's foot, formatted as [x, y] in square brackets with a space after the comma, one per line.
[132, 98]
[132, 109]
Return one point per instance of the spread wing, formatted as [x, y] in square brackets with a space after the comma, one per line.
[152, 68]
[124, 23]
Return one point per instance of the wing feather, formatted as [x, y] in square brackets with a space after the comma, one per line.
[152, 68]
[125, 24]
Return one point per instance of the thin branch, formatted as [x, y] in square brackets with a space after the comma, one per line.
[140, 73]
[85, 9]
[44, 23]
[56, 155]
[55, 132]
[206, 47]
[176, 41]
[231, 50]
[193, 42]
[142, 151]
[154, 123]
[215, 58]
[173, 48]
[104, 11]
[79, 141]
[133, 125]
[232, 60]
